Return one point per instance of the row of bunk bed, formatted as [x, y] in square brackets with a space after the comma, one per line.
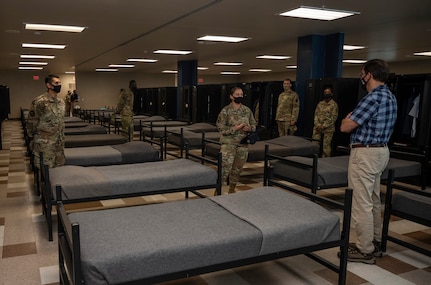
[195, 236]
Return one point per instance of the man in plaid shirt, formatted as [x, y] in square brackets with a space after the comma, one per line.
[371, 124]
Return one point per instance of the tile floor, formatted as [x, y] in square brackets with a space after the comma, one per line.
[28, 258]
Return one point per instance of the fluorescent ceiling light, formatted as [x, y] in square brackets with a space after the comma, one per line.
[43, 46]
[273, 57]
[141, 60]
[169, 71]
[222, 39]
[317, 13]
[425, 53]
[230, 73]
[33, 63]
[350, 47]
[37, 56]
[228, 63]
[202, 68]
[174, 52]
[30, 68]
[291, 66]
[355, 61]
[122, 65]
[70, 72]
[259, 70]
[106, 69]
[56, 28]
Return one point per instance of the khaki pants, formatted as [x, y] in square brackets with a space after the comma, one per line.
[365, 168]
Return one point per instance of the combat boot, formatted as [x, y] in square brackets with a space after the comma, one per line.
[232, 188]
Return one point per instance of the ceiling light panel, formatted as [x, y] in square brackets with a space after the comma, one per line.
[35, 56]
[30, 68]
[48, 46]
[228, 63]
[55, 28]
[222, 39]
[147, 60]
[122, 65]
[259, 70]
[106, 70]
[354, 61]
[173, 52]
[425, 53]
[230, 73]
[350, 47]
[279, 57]
[317, 13]
[33, 63]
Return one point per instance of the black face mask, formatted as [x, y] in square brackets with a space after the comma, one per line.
[327, 96]
[56, 88]
[238, 100]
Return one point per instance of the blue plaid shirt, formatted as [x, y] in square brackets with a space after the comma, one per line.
[376, 114]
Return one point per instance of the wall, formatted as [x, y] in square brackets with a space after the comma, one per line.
[98, 90]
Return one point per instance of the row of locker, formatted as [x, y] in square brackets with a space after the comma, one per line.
[202, 103]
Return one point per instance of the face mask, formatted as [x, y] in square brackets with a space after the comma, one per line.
[327, 96]
[238, 100]
[56, 88]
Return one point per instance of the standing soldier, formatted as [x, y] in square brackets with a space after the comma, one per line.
[287, 110]
[125, 108]
[45, 124]
[325, 115]
[68, 104]
[234, 123]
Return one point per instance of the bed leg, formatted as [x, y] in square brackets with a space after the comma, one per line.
[345, 235]
[387, 210]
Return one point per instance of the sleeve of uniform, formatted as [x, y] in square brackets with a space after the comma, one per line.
[120, 104]
[252, 121]
[32, 120]
[295, 108]
[316, 115]
[221, 124]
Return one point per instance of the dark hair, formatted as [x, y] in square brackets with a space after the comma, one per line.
[378, 68]
[288, 79]
[49, 78]
[132, 83]
[234, 89]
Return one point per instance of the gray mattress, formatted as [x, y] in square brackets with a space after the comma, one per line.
[193, 139]
[87, 130]
[404, 201]
[129, 152]
[281, 146]
[332, 171]
[164, 238]
[94, 140]
[157, 128]
[79, 182]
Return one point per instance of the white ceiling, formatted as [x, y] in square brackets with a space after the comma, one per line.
[121, 29]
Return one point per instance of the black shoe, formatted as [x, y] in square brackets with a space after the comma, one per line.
[377, 249]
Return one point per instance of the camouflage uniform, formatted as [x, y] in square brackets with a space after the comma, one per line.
[325, 115]
[234, 154]
[125, 108]
[287, 110]
[45, 124]
[68, 104]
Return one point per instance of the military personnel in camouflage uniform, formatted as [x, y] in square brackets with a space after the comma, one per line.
[325, 115]
[125, 109]
[45, 124]
[68, 103]
[234, 122]
[287, 110]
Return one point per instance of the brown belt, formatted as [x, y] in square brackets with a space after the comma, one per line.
[368, 145]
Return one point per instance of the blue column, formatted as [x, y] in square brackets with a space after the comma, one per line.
[187, 78]
[317, 57]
